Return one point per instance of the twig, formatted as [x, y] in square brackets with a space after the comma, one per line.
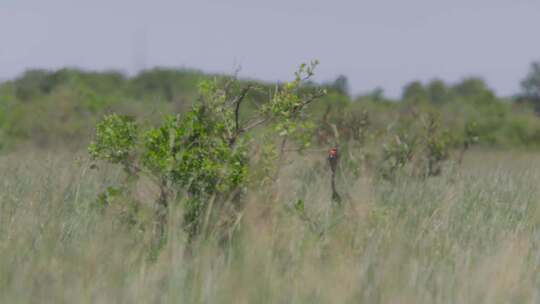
[237, 103]
[255, 124]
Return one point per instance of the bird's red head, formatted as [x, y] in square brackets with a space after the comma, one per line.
[332, 153]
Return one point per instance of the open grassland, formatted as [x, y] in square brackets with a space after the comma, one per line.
[469, 236]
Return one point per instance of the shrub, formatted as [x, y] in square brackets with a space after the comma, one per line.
[202, 156]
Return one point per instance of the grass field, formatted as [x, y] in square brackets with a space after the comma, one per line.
[468, 236]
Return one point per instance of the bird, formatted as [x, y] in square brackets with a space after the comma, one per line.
[333, 157]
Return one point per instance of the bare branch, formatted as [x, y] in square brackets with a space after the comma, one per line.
[255, 124]
[237, 103]
[313, 98]
[307, 101]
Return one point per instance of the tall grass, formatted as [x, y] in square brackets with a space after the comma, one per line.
[469, 236]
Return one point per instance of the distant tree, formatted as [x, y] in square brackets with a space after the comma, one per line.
[438, 92]
[531, 84]
[30, 84]
[377, 94]
[414, 92]
[341, 84]
[34, 83]
[475, 89]
[166, 84]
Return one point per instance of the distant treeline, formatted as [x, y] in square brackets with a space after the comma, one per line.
[50, 108]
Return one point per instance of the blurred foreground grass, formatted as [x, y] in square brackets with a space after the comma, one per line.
[469, 236]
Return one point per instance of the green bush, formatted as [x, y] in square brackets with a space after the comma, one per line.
[202, 156]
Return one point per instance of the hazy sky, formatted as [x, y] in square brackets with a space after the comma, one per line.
[374, 42]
